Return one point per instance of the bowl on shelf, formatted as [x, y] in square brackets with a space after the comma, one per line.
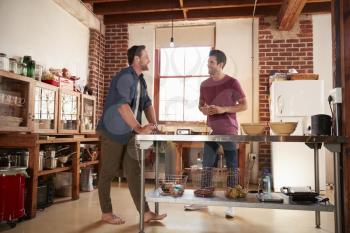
[283, 128]
[253, 128]
[62, 160]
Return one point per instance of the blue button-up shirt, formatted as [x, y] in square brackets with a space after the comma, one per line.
[123, 90]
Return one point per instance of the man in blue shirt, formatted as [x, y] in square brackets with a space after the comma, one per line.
[127, 98]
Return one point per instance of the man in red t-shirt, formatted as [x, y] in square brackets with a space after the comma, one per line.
[221, 97]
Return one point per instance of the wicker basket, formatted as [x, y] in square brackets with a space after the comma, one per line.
[173, 185]
[218, 178]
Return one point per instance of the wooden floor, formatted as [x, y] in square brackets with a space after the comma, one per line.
[83, 216]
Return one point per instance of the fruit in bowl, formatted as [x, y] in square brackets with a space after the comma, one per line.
[283, 128]
[253, 128]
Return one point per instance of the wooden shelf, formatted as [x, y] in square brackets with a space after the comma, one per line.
[52, 171]
[66, 140]
[85, 164]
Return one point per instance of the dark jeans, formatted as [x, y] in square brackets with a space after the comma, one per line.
[210, 160]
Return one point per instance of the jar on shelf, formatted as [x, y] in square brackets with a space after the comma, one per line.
[4, 62]
[38, 72]
[31, 69]
[13, 65]
[22, 69]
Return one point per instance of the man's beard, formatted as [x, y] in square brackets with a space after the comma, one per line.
[144, 67]
[211, 71]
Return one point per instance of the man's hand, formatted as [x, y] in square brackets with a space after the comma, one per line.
[147, 129]
[213, 110]
[205, 109]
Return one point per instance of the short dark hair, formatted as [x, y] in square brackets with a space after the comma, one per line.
[219, 55]
[133, 51]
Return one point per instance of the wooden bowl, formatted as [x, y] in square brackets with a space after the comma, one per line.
[283, 128]
[253, 128]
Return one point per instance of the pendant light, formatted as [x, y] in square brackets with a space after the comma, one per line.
[172, 44]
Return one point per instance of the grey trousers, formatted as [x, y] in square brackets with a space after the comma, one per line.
[115, 156]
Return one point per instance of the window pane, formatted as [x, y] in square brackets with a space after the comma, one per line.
[171, 99]
[172, 62]
[196, 60]
[192, 86]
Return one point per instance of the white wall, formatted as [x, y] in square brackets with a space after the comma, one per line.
[42, 29]
[145, 35]
[234, 38]
[322, 34]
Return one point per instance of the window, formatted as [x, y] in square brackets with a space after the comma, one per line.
[180, 73]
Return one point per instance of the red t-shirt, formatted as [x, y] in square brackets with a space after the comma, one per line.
[224, 92]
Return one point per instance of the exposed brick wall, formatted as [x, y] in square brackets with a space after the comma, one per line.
[117, 39]
[280, 51]
[96, 68]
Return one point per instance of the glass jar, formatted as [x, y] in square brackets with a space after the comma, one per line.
[31, 69]
[23, 69]
[26, 59]
[38, 72]
[4, 62]
[13, 65]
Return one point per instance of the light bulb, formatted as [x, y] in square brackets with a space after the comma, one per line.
[172, 44]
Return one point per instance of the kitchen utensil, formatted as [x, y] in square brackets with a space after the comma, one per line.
[50, 163]
[41, 161]
[64, 159]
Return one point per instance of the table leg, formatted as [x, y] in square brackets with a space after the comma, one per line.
[338, 216]
[156, 204]
[142, 198]
[317, 182]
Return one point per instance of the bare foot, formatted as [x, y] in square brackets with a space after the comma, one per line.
[112, 219]
[150, 216]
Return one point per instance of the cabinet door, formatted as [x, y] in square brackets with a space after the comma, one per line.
[45, 108]
[88, 114]
[68, 114]
[15, 102]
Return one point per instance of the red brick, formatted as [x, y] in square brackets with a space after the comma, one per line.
[285, 45]
[285, 54]
[279, 41]
[292, 41]
[271, 46]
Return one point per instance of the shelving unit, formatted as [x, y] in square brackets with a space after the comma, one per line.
[219, 199]
[52, 171]
[32, 143]
[332, 143]
[85, 164]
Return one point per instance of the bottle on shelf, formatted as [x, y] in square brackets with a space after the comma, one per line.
[265, 183]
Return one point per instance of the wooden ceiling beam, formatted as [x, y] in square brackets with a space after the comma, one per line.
[289, 13]
[108, 7]
[234, 12]
[103, 1]
[181, 3]
[310, 8]
[206, 4]
[144, 18]
[133, 7]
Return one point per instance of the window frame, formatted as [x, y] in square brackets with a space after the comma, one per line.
[157, 78]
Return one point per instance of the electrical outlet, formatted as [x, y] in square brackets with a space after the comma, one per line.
[336, 95]
[252, 156]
